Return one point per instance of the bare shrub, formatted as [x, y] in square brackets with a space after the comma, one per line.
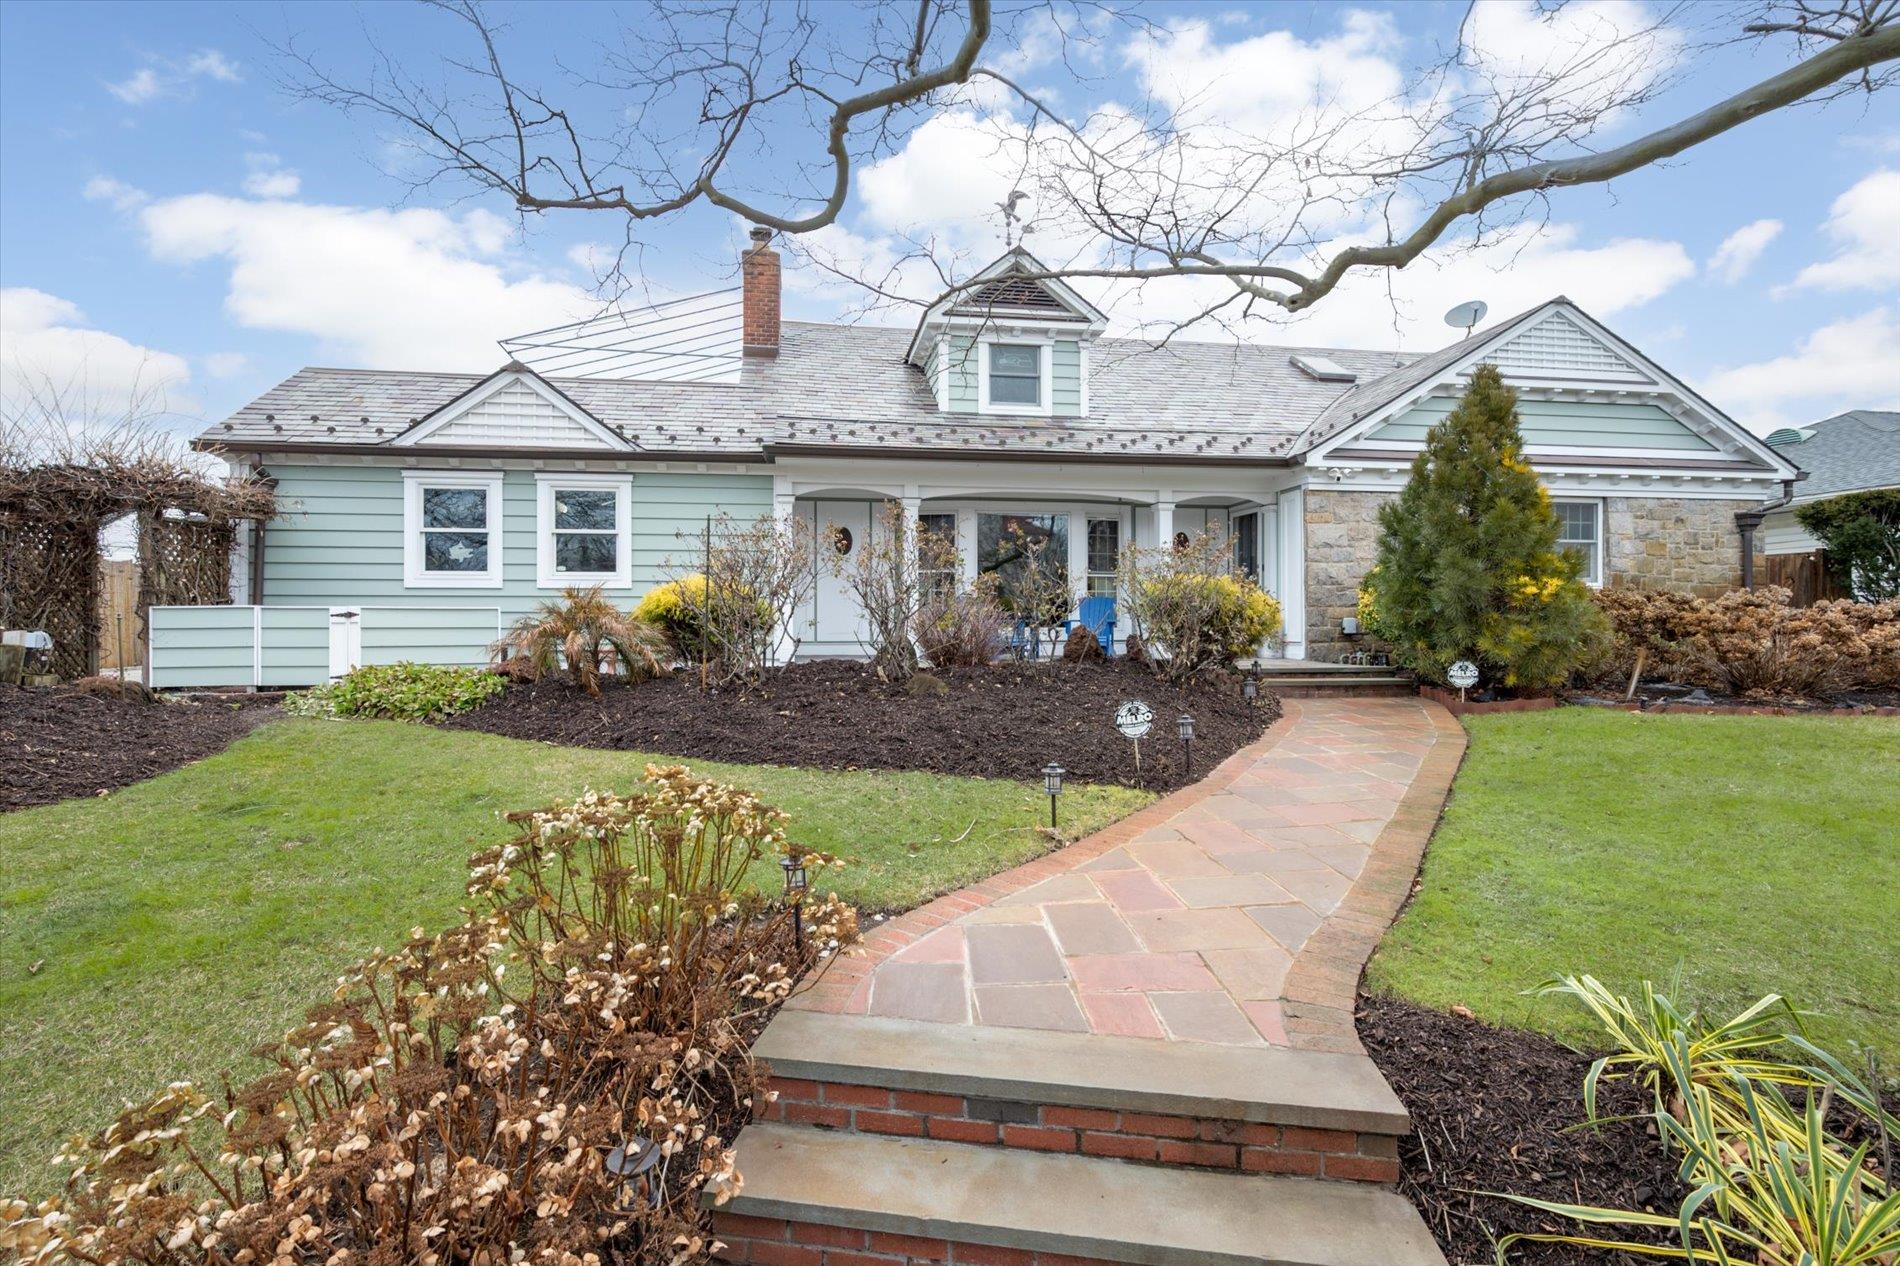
[738, 587]
[580, 630]
[892, 577]
[464, 1097]
[1753, 642]
[962, 628]
[1187, 609]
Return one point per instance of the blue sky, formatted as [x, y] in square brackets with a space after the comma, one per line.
[166, 209]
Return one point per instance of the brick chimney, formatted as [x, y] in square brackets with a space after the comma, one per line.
[759, 280]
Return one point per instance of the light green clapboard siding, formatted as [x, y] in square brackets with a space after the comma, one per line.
[1065, 376]
[1564, 424]
[338, 539]
[201, 646]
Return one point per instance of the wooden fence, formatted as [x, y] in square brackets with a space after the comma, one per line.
[1804, 575]
[120, 643]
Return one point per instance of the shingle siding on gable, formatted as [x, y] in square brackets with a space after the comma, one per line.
[1564, 424]
[516, 416]
[338, 539]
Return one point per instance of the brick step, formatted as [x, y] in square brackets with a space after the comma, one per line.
[1250, 1109]
[818, 1198]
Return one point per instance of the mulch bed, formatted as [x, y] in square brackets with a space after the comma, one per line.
[1002, 722]
[59, 743]
[1491, 1110]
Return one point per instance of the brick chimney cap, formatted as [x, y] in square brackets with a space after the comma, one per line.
[760, 235]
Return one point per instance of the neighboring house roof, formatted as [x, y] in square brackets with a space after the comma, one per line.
[849, 387]
[1849, 452]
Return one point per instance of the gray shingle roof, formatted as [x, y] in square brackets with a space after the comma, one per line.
[849, 387]
[1852, 451]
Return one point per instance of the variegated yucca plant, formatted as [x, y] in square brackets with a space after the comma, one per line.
[1769, 1184]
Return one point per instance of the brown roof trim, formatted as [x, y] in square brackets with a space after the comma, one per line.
[1052, 457]
[427, 451]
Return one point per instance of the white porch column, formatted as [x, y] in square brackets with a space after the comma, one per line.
[785, 516]
[1079, 553]
[1292, 568]
[1164, 520]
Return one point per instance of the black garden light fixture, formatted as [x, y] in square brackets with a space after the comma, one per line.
[793, 864]
[1250, 685]
[1052, 784]
[631, 1162]
[1187, 742]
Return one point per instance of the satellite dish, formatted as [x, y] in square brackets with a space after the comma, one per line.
[1467, 315]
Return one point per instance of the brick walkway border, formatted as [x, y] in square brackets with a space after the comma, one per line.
[1324, 980]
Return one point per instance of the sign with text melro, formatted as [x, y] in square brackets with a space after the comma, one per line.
[1134, 719]
[1463, 674]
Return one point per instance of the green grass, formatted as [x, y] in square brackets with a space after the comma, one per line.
[163, 931]
[1752, 854]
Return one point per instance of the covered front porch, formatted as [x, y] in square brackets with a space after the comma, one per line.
[1081, 520]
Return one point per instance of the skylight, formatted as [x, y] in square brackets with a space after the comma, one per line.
[1322, 368]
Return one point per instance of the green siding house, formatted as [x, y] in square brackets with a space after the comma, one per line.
[421, 512]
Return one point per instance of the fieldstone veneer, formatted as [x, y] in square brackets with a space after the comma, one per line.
[1674, 543]
[1342, 544]
[1681, 543]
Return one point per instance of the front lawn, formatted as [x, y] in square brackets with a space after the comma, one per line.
[162, 931]
[1752, 854]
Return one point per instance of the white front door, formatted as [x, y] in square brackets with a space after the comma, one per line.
[842, 529]
[346, 640]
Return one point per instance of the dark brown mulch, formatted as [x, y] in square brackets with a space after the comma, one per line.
[60, 742]
[1491, 1110]
[1002, 722]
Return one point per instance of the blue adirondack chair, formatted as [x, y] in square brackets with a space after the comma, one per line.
[1097, 615]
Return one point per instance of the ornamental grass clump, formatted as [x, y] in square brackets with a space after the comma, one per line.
[585, 631]
[483, 1096]
[1745, 1104]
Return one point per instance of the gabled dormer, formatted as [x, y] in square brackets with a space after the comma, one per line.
[514, 407]
[1009, 344]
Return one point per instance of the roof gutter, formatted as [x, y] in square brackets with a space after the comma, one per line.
[1052, 457]
[447, 450]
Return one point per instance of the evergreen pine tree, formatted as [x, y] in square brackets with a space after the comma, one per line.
[1469, 566]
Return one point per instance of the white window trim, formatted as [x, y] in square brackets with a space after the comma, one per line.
[413, 575]
[546, 485]
[1603, 545]
[1045, 350]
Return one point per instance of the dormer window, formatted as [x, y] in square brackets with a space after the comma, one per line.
[1015, 377]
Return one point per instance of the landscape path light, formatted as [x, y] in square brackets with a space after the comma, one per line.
[1052, 785]
[793, 864]
[1187, 743]
[631, 1162]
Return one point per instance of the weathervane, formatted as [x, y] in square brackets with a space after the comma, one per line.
[1011, 218]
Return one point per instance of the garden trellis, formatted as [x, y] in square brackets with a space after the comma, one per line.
[50, 518]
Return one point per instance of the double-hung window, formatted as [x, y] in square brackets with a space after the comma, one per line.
[1581, 530]
[1013, 377]
[451, 530]
[584, 530]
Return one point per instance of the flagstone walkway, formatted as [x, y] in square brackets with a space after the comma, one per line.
[1237, 911]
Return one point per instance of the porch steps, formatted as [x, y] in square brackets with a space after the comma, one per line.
[813, 1198]
[1314, 679]
[1031, 1148]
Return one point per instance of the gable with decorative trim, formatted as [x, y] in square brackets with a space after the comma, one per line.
[1558, 347]
[1563, 425]
[513, 409]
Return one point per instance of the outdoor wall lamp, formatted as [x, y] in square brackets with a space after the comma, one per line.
[1187, 742]
[1052, 785]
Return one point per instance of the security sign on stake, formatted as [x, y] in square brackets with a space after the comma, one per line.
[1134, 720]
[1464, 675]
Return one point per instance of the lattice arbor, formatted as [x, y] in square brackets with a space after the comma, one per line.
[50, 517]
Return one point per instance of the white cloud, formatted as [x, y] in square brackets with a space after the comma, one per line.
[164, 77]
[414, 289]
[1853, 363]
[1740, 249]
[46, 342]
[1864, 224]
[226, 364]
[269, 178]
[122, 196]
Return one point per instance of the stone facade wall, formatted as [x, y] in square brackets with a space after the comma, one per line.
[1649, 542]
[1342, 543]
[1673, 543]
